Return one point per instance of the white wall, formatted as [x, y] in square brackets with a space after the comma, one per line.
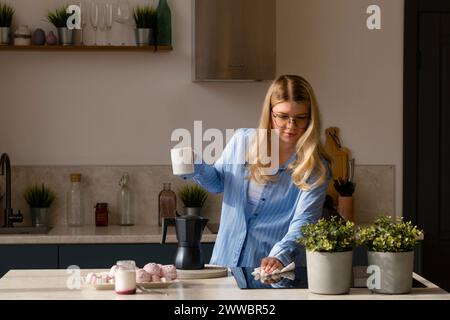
[120, 108]
[357, 74]
[110, 108]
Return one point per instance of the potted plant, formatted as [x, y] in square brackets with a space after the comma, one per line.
[59, 19]
[193, 198]
[390, 244]
[145, 19]
[6, 15]
[345, 188]
[39, 198]
[329, 247]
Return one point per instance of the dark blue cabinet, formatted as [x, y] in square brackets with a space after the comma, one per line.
[85, 256]
[28, 257]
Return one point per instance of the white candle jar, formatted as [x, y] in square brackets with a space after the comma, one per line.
[125, 277]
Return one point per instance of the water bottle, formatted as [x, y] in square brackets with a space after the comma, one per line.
[74, 202]
[125, 202]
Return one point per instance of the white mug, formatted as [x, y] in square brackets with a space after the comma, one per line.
[182, 161]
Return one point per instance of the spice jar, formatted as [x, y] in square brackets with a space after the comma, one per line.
[125, 277]
[101, 214]
[22, 36]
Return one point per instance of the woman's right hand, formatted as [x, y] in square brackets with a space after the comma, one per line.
[270, 264]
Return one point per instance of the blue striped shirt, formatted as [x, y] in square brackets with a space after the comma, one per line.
[273, 226]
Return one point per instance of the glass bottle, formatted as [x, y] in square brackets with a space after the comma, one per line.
[125, 202]
[167, 204]
[164, 24]
[74, 202]
[101, 214]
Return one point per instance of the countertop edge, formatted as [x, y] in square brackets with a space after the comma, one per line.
[93, 235]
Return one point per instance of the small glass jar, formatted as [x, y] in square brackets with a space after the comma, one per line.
[101, 214]
[125, 277]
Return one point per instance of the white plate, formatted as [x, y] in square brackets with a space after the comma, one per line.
[146, 285]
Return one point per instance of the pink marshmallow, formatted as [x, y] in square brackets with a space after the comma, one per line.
[143, 276]
[89, 277]
[156, 278]
[153, 269]
[94, 279]
[112, 271]
[169, 271]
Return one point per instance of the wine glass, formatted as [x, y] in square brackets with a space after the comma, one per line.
[102, 17]
[122, 14]
[95, 16]
[84, 18]
[109, 17]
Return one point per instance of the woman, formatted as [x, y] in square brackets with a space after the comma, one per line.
[262, 213]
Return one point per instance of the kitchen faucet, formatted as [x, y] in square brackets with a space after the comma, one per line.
[9, 217]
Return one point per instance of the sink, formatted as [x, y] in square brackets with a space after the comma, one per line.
[25, 230]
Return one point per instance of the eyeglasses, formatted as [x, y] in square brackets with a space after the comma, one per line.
[282, 120]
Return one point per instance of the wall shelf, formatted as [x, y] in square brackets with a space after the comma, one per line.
[85, 48]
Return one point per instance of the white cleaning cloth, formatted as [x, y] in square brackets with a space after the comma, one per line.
[286, 272]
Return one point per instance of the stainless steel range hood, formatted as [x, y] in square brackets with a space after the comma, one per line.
[234, 40]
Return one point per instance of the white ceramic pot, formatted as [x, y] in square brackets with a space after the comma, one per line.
[396, 269]
[5, 36]
[329, 272]
[22, 36]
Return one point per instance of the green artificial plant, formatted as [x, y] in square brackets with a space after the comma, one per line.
[328, 235]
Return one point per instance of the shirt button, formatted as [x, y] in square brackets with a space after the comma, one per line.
[263, 199]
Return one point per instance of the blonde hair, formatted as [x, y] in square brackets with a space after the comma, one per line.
[310, 152]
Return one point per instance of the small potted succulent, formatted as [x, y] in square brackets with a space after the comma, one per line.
[193, 198]
[6, 16]
[145, 19]
[39, 198]
[329, 247]
[345, 188]
[390, 244]
[59, 19]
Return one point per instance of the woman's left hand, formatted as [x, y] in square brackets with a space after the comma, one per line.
[270, 264]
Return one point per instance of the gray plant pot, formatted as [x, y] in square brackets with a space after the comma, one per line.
[39, 217]
[396, 269]
[192, 211]
[65, 36]
[143, 36]
[5, 36]
[329, 272]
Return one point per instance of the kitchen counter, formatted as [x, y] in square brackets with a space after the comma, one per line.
[51, 284]
[93, 234]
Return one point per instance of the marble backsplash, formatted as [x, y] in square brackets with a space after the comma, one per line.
[374, 191]
[101, 184]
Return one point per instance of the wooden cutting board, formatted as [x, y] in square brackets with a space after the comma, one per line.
[341, 157]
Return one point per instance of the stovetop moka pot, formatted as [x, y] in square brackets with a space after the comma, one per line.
[189, 231]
